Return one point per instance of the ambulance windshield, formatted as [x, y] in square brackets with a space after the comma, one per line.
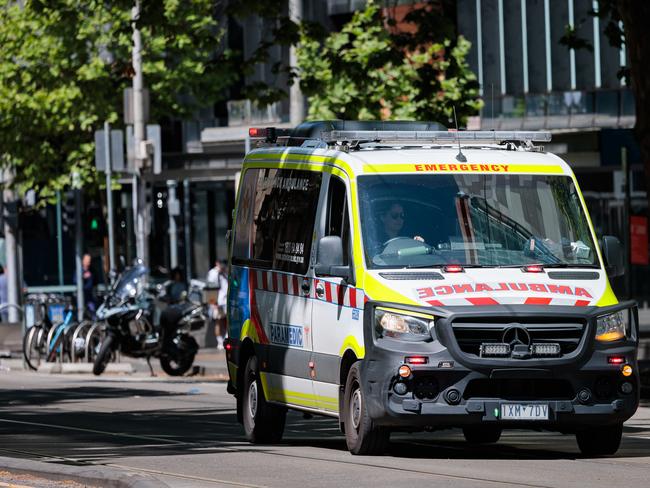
[419, 221]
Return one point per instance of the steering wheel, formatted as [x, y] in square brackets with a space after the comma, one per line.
[395, 239]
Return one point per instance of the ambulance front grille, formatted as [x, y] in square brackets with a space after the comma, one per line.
[470, 334]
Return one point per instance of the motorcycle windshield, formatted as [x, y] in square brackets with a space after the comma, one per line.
[131, 283]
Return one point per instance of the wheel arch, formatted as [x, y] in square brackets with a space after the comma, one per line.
[347, 360]
[246, 350]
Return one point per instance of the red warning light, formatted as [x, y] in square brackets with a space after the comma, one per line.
[616, 359]
[416, 360]
[453, 268]
[256, 132]
[533, 268]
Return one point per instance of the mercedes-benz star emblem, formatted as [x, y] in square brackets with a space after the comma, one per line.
[516, 334]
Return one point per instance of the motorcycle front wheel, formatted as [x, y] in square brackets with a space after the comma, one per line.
[104, 355]
[177, 360]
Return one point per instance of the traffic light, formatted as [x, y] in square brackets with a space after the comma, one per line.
[68, 211]
[94, 229]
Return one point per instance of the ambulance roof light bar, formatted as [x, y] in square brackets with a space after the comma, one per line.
[434, 136]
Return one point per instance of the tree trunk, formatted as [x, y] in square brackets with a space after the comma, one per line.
[636, 22]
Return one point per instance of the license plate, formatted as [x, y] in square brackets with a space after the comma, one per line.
[523, 411]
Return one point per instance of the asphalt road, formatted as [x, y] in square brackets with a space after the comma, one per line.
[184, 433]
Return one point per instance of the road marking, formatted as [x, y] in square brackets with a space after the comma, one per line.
[184, 476]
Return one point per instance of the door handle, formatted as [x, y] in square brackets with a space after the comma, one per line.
[306, 286]
[320, 290]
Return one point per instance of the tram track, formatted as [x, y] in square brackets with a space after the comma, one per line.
[168, 442]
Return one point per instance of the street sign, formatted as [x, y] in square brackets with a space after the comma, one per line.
[116, 153]
[128, 105]
[153, 135]
[117, 150]
[151, 148]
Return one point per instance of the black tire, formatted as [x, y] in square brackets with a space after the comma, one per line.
[104, 355]
[600, 441]
[178, 359]
[32, 350]
[362, 436]
[263, 422]
[174, 366]
[482, 434]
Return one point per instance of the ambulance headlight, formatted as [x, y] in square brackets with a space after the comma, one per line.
[404, 326]
[612, 327]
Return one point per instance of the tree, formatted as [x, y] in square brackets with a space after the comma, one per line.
[635, 15]
[65, 63]
[370, 70]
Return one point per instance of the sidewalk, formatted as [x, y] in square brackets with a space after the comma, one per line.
[209, 362]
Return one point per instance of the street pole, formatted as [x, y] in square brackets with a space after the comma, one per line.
[78, 253]
[109, 196]
[59, 238]
[139, 207]
[626, 221]
[187, 222]
[296, 98]
[11, 253]
[172, 205]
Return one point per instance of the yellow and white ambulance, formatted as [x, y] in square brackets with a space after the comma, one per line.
[400, 277]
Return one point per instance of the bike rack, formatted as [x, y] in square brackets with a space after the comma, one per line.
[75, 335]
[89, 334]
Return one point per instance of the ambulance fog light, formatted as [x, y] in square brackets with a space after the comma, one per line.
[627, 387]
[400, 388]
[452, 397]
[494, 350]
[547, 350]
[584, 395]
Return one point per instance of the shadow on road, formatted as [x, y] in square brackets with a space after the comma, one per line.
[36, 423]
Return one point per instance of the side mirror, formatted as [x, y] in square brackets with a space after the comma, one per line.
[613, 256]
[330, 258]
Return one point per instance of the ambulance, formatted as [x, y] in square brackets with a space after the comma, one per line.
[399, 277]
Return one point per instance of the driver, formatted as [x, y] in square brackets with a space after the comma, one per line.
[393, 222]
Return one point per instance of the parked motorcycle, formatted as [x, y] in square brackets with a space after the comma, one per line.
[130, 310]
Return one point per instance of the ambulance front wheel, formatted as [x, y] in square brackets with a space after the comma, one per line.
[362, 436]
[263, 422]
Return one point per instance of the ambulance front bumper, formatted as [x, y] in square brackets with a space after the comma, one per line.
[452, 387]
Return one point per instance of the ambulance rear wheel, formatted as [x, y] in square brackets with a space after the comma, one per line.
[362, 436]
[263, 422]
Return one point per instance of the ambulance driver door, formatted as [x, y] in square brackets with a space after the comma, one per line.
[336, 311]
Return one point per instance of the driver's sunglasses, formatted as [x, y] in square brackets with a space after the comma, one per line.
[397, 215]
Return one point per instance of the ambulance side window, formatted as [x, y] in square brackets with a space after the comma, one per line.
[338, 220]
[244, 216]
[283, 219]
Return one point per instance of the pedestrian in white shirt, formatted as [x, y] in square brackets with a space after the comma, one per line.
[218, 276]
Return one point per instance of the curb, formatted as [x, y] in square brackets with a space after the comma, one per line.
[96, 475]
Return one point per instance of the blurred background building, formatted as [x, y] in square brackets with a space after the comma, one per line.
[529, 80]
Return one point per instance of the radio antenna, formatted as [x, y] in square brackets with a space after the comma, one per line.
[492, 84]
[460, 156]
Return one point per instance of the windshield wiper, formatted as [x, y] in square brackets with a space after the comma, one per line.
[441, 265]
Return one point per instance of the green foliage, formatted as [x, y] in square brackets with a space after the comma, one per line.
[65, 63]
[365, 71]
